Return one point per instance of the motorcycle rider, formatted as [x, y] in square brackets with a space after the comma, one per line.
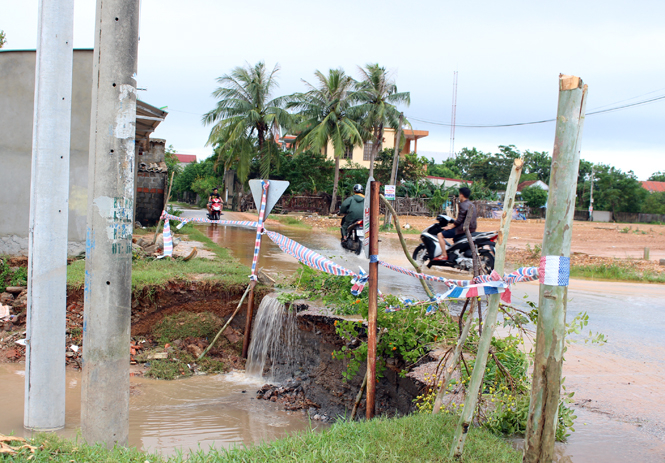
[353, 207]
[457, 228]
[214, 194]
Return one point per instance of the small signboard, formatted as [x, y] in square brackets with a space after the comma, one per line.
[366, 217]
[390, 192]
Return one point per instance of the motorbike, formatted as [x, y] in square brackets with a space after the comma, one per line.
[354, 237]
[459, 252]
[215, 209]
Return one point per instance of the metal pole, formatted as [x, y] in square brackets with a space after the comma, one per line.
[551, 329]
[393, 174]
[44, 407]
[248, 320]
[373, 297]
[490, 320]
[108, 267]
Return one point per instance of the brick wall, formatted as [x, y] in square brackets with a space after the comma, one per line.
[150, 188]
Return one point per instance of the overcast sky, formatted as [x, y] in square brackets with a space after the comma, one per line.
[508, 55]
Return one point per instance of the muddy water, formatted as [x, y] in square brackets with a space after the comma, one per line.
[166, 416]
[620, 401]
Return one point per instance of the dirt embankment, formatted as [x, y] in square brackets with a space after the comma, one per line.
[149, 307]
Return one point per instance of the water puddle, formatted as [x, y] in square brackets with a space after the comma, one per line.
[167, 416]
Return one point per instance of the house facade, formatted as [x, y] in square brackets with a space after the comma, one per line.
[361, 154]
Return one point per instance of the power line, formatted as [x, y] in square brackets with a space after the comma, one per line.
[488, 126]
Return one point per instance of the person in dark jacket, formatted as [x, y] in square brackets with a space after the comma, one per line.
[457, 227]
[353, 207]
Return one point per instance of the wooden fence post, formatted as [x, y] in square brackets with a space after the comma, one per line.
[373, 282]
[551, 330]
[490, 319]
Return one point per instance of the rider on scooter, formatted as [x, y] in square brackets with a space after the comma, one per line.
[353, 207]
[214, 194]
[465, 207]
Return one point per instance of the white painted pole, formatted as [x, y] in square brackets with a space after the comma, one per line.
[44, 406]
[108, 267]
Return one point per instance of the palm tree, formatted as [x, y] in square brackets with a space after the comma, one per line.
[323, 112]
[246, 115]
[378, 95]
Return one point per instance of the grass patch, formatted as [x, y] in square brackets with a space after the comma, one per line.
[186, 324]
[615, 272]
[157, 272]
[419, 437]
[178, 363]
[291, 221]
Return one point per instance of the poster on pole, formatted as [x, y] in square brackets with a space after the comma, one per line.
[366, 218]
[390, 192]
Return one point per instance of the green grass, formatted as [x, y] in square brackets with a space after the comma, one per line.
[615, 272]
[415, 438]
[291, 221]
[186, 324]
[223, 268]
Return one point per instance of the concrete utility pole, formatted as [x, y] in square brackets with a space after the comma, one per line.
[591, 198]
[108, 267]
[551, 329]
[49, 196]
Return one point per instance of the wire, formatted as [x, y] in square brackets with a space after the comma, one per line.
[487, 126]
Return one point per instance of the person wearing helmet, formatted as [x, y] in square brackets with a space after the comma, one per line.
[465, 207]
[353, 207]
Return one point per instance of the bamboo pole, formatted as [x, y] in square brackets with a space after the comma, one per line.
[168, 198]
[228, 322]
[490, 320]
[450, 365]
[390, 209]
[551, 330]
[373, 298]
[393, 174]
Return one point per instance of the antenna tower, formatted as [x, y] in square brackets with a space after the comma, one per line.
[452, 117]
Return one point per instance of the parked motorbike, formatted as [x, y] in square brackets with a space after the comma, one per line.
[215, 209]
[459, 252]
[354, 237]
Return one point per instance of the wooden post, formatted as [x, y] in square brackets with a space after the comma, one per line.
[393, 174]
[490, 319]
[646, 253]
[551, 329]
[373, 297]
[248, 321]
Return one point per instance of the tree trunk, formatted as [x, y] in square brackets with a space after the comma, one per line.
[333, 202]
[393, 174]
[375, 148]
[551, 330]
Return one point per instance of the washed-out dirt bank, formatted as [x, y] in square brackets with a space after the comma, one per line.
[150, 305]
[321, 376]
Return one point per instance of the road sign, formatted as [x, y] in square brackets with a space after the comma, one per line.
[275, 191]
[390, 192]
[366, 218]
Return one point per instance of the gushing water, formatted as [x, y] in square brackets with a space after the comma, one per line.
[274, 338]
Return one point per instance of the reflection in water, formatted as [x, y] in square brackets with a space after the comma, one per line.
[166, 416]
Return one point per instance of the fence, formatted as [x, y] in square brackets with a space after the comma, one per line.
[626, 217]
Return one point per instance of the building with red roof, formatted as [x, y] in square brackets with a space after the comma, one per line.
[186, 158]
[653, 186]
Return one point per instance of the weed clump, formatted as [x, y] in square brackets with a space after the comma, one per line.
[186, 324]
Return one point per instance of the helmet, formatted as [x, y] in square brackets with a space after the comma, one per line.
[357, 188]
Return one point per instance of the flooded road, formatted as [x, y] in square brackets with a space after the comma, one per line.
[620, 402]
[167, 416]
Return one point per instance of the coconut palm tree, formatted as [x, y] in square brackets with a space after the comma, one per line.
[323, 114]
[246, 115]
[377, 95]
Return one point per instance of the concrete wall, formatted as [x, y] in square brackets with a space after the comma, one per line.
[602, 216]
[17, 74]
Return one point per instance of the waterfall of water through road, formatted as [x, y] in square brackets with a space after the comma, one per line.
[273, 338]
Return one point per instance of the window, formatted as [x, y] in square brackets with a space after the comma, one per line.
[367, 151]
[348, 153]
